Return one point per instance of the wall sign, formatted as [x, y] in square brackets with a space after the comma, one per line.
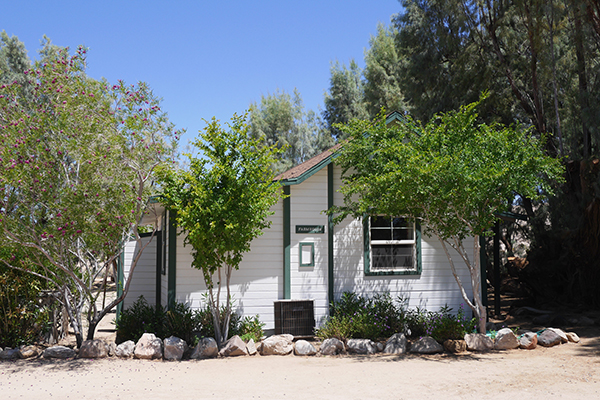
[310, 228]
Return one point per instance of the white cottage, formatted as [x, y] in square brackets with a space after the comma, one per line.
[303, 262]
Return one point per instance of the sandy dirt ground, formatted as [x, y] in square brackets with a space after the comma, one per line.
[568, 371]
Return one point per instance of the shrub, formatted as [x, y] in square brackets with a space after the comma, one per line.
[444, 325]
[141, 318]
[354, 316]
[251, 328]
[23, 320]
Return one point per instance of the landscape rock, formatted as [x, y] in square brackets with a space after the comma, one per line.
[206, 348]
[10, 354]
[506, 340]
[361, 346]
[478, 342]
[251, 347]
[174, 348]
[235, 346]
[528, 341]
[380, 347]
[396, 344]
[549, 338]
[96, 348]
[426, 345]
[29, 351]
[455, 346]
[112, 349]
[573, 337]
[277, 345]
[59, 352]
[331, 347]
[304, 348]
[561, 333]
[125, 349]
[149, 347]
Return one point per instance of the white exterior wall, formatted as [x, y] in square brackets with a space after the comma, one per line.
[143, 281]
[307, 202]
[257, 283]
[435, 287]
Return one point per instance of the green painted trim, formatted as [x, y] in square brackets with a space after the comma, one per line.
[287, 239]
[367, 260]
[330, 236]
[171, 274]
[120, 280]
[159, 261]
[307, 174]
[311, 262]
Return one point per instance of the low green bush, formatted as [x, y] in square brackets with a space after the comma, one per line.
[141, 318]
[355, 316]
[442, 325]
[251, 328]
[23, 319]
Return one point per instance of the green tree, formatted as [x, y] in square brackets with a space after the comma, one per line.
[382, 73]
[280, 120]
[222, 203]
[345, 99]
[76, 167]
[451, 173]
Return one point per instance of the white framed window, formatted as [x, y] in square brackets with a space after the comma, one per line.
[392, 246]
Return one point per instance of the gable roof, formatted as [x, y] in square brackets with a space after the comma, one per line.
[301, 172]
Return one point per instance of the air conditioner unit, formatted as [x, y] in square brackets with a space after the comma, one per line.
[296, 317]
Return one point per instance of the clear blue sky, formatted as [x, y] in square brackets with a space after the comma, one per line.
[206, 58]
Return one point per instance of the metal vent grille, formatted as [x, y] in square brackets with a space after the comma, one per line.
[296, 317]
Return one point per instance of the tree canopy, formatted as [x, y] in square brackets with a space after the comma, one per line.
[452, 173]
[222, 203]
[76, 167]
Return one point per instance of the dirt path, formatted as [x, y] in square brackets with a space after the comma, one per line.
[569, 371]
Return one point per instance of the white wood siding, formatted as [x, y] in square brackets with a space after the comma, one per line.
[308, 201]
[143, 281]
[434, 288]
[257, 283]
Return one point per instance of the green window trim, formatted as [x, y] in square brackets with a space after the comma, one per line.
[367, 253]
[311, 261]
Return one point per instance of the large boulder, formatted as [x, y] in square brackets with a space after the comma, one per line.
[206, 348]
[573, 337]
[561, 333]
[506, 340]
[61, 352]
[455, 346]
[125, 349]
[331, 347]
[96, 348]
[251, 347]
[235, 346]
[528, 341]
[174, 348]
[304, 348]
[277, 345]
[426, 345]
[549, 338]
[29, 351]
[478, 342]
[361, 346]
[10, 354]
[396, 344]
[149, 347]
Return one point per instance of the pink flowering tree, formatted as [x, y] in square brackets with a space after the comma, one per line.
[76, 172]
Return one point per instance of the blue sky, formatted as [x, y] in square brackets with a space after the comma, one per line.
[207, 58]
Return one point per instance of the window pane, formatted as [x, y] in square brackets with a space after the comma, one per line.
[399, 222]
[402, 255]
[381, 234]
[403, 234]
[382, 257]
[380, 222]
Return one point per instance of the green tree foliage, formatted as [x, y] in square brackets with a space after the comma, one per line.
[345, 99]
[76, 164]
[452, 173]
[222, 203]
[382, 73]
[280, 120]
